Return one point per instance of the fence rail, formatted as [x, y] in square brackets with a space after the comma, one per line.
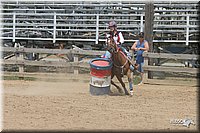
[52, 51]
[76, 52]
[171, 56]
[186, 57]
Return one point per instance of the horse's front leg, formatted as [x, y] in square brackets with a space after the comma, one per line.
[123, 85]
[130, 81]
[119, 89]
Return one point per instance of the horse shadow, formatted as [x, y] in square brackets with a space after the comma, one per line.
[116, 93]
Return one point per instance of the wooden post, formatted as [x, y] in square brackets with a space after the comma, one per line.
[149, 17]
[75, 68]
[19, 56]
[145, 75]
[21, 67]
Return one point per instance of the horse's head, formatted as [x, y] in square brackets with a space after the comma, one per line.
[112, 46]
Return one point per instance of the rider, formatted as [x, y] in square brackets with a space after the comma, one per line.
[117, 37]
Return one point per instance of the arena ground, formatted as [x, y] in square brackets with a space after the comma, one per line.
[64, 103]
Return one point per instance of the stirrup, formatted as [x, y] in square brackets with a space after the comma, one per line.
[132, 68]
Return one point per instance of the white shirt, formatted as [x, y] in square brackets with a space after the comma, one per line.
[119, 39]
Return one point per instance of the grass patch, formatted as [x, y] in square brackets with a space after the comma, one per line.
[19, 78]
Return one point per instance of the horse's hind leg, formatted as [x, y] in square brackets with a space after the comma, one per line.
[123, 85]
[119, 89]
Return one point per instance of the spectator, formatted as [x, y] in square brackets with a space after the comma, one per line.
[140, 46]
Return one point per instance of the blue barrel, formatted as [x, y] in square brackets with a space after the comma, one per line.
[100, 71]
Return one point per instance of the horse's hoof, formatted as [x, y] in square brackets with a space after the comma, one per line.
[110, 92]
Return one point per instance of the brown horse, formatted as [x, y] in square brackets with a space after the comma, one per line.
[121, 66]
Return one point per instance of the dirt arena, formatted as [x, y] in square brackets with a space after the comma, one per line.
[64, 103]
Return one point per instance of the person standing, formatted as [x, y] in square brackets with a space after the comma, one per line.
[140, 46]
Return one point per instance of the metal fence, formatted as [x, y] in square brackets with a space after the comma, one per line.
[87, 21]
